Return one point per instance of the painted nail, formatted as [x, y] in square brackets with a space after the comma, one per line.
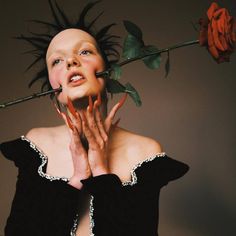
[71, 107]
[122, 100]
[68, 121]
[99, 99]
[90, 109]
[117, 122]
[58, 111]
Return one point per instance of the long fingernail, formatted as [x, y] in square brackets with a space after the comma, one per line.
[58, 111]
[98, 102]
[99, 99]
[117, 122]
[71, 107]
[122, 100]
[68, 121]
[90, 108]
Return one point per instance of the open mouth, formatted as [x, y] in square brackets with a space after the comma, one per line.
[76, 78]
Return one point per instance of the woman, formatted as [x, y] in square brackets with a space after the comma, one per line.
[87, 177]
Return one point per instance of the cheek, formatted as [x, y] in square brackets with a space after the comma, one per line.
[101, 82]
[54, 79]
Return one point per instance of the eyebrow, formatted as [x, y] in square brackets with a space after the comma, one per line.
[80, 44]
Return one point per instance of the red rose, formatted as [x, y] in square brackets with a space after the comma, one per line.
[218, 33]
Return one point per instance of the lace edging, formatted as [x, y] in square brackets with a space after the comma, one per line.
[74, 227]
[91, 220]
[44, 159]
[134, 178]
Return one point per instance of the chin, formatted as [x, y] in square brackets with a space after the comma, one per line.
[80, 93]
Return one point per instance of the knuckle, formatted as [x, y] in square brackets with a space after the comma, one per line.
[93, 126]
[105, 138]
[102, 144]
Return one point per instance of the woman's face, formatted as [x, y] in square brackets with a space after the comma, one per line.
[73, 58]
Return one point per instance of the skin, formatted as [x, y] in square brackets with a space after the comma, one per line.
[79, 54]
[111, 148]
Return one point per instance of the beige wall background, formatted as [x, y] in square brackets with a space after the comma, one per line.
[191, 113]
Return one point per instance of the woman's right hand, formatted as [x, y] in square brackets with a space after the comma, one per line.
[79, 154]
[89, 139]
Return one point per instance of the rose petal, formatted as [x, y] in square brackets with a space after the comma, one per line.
[214, 6]
[211, 45]
[220, 18]
[223, 42]
[216, 36]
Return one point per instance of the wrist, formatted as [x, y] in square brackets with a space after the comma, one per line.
[99, 171]
[75, 181]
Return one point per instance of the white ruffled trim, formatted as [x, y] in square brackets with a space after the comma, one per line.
[134, 178]
[44, 159]
[91, 209]
[74, 227]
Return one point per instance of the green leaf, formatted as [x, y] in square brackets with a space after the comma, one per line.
[133, 29]
[167, 65]
[116, 72]
[132, 47]
[133, 94]
[113, 86]
[154, 61]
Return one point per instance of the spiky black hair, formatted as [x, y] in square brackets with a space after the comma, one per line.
[40, 42]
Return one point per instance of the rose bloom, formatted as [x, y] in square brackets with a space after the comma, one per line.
[218, 33]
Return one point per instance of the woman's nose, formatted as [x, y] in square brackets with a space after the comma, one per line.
[71, 62]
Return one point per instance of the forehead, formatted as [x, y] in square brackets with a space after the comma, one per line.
[69, 37]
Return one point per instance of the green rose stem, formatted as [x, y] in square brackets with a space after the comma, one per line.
[35, 95]
[105, 73]
[188, 43]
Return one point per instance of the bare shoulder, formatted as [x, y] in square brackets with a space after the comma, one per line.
[140, 147]
[44, 135]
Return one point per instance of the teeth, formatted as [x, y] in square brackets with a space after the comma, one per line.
[76, 78]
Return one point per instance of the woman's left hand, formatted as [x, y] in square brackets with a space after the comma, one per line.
[97, 133]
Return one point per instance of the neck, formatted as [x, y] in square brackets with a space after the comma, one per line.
[82, 104]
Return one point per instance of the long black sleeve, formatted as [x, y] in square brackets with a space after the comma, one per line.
[131, 209]
[42, 205]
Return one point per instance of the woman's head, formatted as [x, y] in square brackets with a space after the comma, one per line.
[66, 34]
[73, 58]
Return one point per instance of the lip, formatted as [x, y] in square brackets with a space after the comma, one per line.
[75, 83]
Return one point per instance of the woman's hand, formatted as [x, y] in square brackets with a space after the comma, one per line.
[89, 124]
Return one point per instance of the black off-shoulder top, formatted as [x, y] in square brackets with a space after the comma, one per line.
[46, 205]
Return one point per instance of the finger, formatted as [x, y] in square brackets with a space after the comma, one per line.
[93, 126]
[87, 132]
[113, 126]
[112, 113]
[58, 111]
[90, 107]
[77, 122]
[71, 107]
[116, 123]
[98, 102]
[122, 100]
[76, 146]
[75, 115]
[99, 122]
[67, 120]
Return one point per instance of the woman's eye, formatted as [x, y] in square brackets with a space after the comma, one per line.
[55, 62]
[85, 52]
